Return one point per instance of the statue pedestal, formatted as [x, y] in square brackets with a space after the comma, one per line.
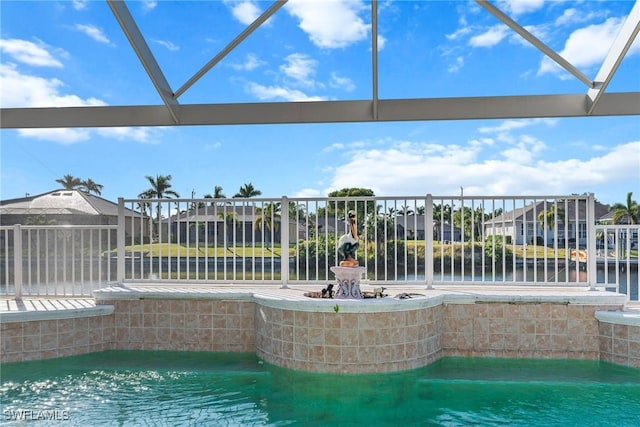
[348, 279]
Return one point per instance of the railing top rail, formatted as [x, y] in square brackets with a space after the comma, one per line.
[359, 198]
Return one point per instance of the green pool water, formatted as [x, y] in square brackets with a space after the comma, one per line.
[142, 388]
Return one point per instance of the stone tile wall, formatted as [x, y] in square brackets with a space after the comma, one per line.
[184, 325]
[45, 339]
[521, 330]
[620, 344]
[349, 342]
[333, 342]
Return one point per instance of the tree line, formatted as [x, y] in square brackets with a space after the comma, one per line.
[627, 212]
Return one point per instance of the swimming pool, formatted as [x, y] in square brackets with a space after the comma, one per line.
[186, 388]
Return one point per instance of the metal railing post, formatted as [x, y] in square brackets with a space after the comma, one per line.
[428, 253]
[592, 273]
[284, 242]
[120, 237]
[17, 261]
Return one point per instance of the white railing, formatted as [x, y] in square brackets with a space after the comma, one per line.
[422, 240]
[56, 260]
[426, 240]
[617, 258]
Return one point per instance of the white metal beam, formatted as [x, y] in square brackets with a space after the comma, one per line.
[535, 41]
[235, 42]
[619, 48]
[469, 108]
[139, 44]
[374, 57]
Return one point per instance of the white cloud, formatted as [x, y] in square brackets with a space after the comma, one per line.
[149, 5]
[541, 32]
[279, 93]
[491, 37]
[586, 47]
[250, 63]
[300, 67]
[167, 44]
[509, 165]
[308, 193]
[339, 82]
[509, 125]
[80, 4]
[22, 90]
[68, 136]
[28, 53]
[403, 167]
[331, 23]
[212, 146]
[524, 151]
[419, 168]
[576, 16]
[137, 134]
[459, 33]
[520, 7]
[62, 136]
[336, 146]
[382, 42]
[457, 65]
[94, 32]
[244, 11]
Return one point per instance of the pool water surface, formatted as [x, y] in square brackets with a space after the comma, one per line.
[134, 388]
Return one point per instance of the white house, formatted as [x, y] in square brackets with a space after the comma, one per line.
[566, 222]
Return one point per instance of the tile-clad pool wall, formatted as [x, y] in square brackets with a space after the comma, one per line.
[326, 341]
[349, 342]
[620, 344]
[45, 339]
[184, 325]
[542, 330]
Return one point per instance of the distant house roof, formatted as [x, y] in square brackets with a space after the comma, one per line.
[61, 202]
[417, 223]
[216, 213]
[527, 213]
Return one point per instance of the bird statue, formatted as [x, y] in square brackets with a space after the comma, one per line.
[348, 243]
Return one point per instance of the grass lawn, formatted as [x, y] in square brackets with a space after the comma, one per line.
[175, 250]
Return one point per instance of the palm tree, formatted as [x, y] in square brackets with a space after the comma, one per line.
[217, 194]
[442, 213]
[404, 210]
[229, 218]
[247, 190]
[267, 217]
[553, 216]
[297, 212]
[90, 186]
[69, 182]
[629, 212]
[160, 188]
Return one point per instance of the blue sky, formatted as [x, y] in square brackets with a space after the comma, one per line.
[71, 53]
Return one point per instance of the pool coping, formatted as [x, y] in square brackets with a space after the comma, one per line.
[36, 309]
[617, 317]
[294, 296]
